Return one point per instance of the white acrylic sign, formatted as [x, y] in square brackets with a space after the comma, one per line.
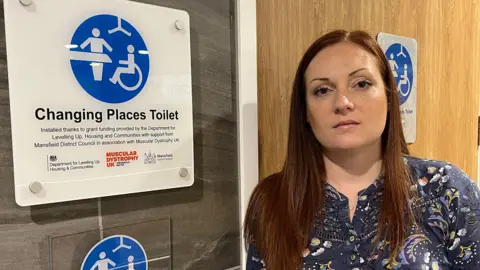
[401, 53]
[100, 98]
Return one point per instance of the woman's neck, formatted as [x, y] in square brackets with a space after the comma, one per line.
[351, 170]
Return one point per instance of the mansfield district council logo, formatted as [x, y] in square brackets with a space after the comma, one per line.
[109, 58]
[150, 158]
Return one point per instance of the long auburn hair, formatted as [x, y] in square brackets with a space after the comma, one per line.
[283, 207]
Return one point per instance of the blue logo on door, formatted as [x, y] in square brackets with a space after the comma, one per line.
[119, 252]
[402, 68]
[109, 58]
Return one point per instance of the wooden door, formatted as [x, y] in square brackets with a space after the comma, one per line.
[448, 39]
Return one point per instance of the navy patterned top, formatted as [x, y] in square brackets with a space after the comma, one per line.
[446, 237]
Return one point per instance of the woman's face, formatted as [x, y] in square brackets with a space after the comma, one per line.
[346, 97]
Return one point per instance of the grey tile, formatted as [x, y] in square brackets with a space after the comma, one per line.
[160, 264]
[68, 252]
[153, 235]
[221, 253]
[26, 245]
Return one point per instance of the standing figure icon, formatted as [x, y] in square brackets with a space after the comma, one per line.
[393, 65]
[131, 263]
[103, 263]
[96, 46]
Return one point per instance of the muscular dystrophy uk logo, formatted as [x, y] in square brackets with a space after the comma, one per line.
[109, 58]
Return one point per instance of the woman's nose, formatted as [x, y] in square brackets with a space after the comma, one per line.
[343, 104]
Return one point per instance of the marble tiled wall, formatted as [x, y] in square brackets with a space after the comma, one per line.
[203, 219]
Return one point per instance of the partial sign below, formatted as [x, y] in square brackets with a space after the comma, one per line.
[119, 252]
[401, 53]
[100, 98]
[139, 245]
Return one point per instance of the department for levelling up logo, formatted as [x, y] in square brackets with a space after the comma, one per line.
[109, 58]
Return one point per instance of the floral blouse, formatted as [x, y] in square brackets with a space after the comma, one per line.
[447, 236]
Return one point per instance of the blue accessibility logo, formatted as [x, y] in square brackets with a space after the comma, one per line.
[109, 58]
[402, 68]
[119, 252]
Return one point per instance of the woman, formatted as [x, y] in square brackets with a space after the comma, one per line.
[349, 195]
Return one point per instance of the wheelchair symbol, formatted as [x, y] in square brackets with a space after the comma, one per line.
[131, 68]
[404, 80]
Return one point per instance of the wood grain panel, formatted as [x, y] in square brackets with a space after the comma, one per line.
[448, 36]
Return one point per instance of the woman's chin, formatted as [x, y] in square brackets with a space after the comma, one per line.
[348, 145]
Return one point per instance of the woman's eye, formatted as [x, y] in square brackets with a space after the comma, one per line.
[322, 91]
[364, 84]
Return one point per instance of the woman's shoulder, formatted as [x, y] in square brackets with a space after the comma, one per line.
[450, 210]
[434, 179]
